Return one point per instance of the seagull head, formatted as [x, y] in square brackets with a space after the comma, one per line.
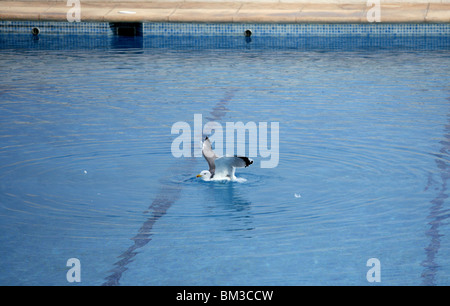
[205, 174]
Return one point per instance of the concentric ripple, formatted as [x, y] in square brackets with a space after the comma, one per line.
[86, 169]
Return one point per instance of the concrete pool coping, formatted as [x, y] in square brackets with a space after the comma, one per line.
[226, 12]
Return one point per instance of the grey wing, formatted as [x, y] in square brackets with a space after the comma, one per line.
[226, 165]
[209, 155]
[241, 161]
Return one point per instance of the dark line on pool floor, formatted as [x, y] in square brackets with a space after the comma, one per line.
[168, 194]
[437, 214]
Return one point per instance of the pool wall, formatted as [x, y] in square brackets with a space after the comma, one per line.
[263, 17]
[229, 29]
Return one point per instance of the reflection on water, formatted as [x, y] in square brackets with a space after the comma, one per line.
[378, 43]
[226, 197]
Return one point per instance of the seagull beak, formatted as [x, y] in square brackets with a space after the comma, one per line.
[199, 175]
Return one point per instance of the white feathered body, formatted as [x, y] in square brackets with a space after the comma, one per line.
[221, 168]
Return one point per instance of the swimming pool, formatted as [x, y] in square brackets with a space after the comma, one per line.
[86, 169]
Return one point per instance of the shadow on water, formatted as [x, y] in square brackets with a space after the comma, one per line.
[226, 198]
[437, 212]
[169, 192]
[167, 195]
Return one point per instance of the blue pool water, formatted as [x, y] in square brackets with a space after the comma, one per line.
[86, 169]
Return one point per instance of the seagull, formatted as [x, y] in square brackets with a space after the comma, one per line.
[221, 168]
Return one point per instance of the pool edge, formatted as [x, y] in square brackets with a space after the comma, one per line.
[227, 12]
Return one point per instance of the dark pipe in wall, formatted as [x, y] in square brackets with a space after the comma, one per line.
[35, 31]
[126, 28]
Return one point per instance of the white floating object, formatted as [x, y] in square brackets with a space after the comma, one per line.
[297, 195]
[127, 12]
[85, 172]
